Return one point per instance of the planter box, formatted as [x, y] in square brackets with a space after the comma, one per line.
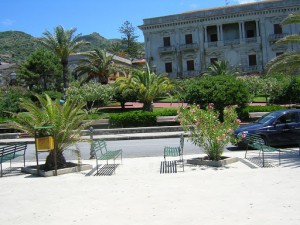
[202, 161]
[72, 168]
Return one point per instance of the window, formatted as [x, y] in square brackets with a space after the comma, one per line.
[279, 53]
[252, 60]
[190, 65]
[188, 39]
[167, 41]
[213, 60]
[213, 37]
[250, 33]
[277, 29]
[168, 67]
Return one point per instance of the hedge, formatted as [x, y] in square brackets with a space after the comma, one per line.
[138, 118]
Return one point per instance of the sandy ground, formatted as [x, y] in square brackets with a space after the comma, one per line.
[239, 193]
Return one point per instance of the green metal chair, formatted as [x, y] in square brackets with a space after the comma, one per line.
[175, 152]
[99, 148]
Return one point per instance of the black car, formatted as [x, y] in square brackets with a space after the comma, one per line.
[276, 128]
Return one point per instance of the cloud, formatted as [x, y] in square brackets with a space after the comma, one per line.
[6, 22]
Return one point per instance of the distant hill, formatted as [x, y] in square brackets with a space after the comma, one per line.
[15, 46]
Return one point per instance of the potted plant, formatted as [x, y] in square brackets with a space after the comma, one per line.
[66, 120]
[207, 131]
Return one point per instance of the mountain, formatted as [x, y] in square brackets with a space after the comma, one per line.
[15, 46]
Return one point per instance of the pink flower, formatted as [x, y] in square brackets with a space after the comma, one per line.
[223, 136]
[229, 131]
[219, 139]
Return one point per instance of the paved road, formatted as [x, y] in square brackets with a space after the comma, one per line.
[131, 148]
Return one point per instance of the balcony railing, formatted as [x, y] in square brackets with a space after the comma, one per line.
[191, 73]
[257, 68]
[212, 44]
[275, 37]
[168, 49]
[187, 47]
[251, 40]
[232, 42]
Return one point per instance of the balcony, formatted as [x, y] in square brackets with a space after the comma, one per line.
[251, 40]
[257, 68]
[212, 44]
[191, 73]
[189, 47]
[276, 37]
[166, 50]
[232, 42]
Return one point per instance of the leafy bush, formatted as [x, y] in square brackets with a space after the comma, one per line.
[133, 119]
[220, 90]
[90, 93]
[9, 99]
[166, 112]
[290, 92]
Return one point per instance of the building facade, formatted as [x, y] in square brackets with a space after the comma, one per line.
[184, 45]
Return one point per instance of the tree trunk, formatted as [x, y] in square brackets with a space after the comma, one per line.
[148, 106]
[65, 75]
[50, 162]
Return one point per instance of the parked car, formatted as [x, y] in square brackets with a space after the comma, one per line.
[277, 128]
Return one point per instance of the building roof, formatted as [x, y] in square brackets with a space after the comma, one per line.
[220, 11]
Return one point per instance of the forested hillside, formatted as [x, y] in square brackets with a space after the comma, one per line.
[15, 46]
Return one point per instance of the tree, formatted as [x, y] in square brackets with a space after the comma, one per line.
[62, 43]
[149, 86]
[97, 65]
[90, 93]
[130, 39]
[41, 71]
[66, 120]
[219, 68]
[289, 61]
[220, 90]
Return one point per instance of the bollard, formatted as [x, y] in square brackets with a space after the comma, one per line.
[92, 154]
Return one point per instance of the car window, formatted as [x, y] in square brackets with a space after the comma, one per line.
[288, 118]
[267, 119]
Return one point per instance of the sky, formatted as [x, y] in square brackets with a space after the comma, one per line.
[102, 16]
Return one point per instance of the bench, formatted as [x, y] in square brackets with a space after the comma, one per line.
[176, 151]
[99, 149]
[257, 142]
[10, 152]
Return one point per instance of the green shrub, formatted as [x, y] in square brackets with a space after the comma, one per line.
[220, 90]
[133, 119]
[290, 92]
[9, 99]
[166, 111]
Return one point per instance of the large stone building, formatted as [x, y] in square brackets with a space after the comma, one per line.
[185, 44]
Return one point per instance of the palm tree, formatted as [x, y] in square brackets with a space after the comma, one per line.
[66, 120]
[62, 42]
[97, 65]
[288, 61]
[218, 68]
[149, 86]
